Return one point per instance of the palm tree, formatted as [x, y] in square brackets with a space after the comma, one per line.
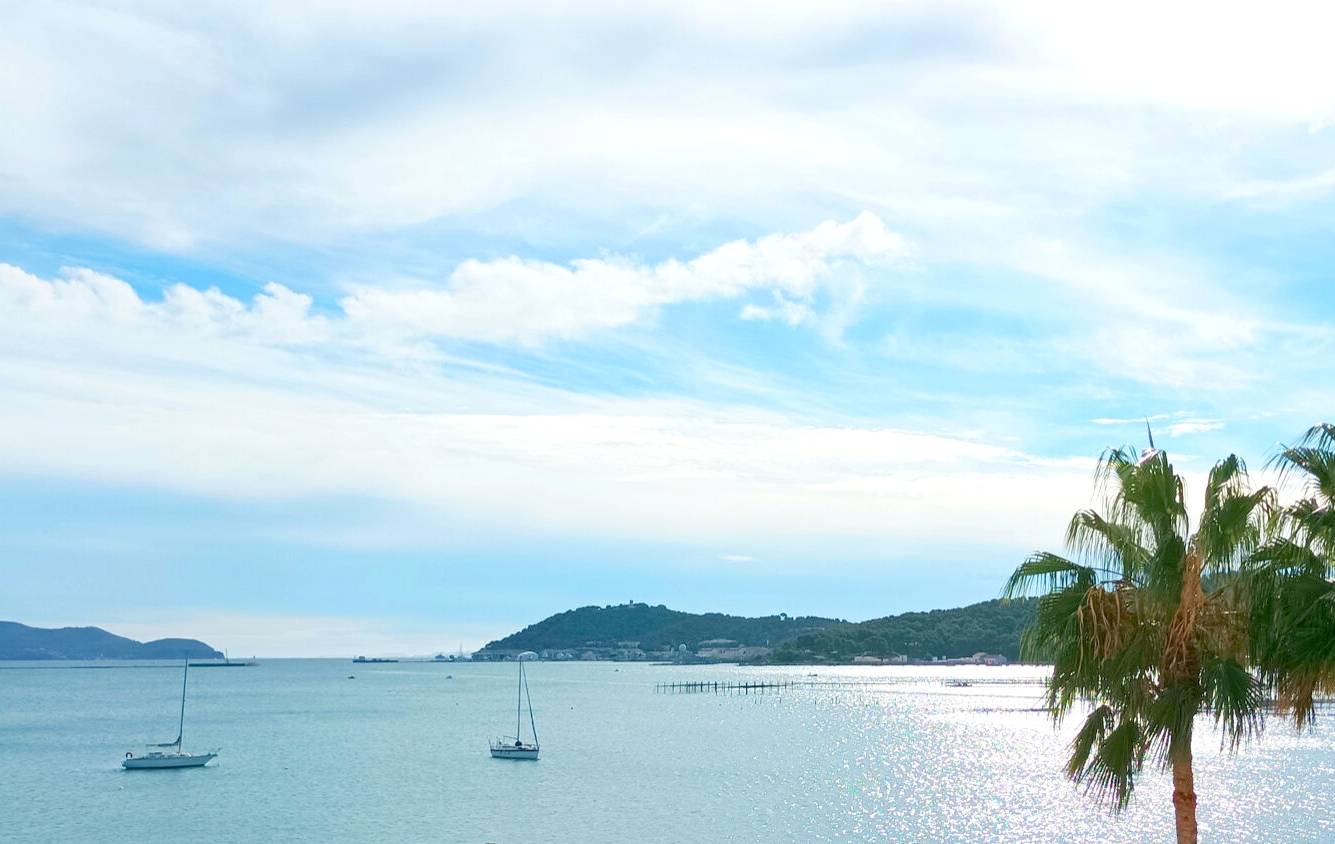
[1291, 605]
[1154, 622]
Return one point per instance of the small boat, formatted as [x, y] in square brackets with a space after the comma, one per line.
[514, 747]
[362, 659]
[959, 684]
[159, 758]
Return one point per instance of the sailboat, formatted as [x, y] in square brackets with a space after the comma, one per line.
[514, 747]
[159, 758]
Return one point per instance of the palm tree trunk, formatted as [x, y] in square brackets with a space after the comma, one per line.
[1184, 799]
[1183, 665]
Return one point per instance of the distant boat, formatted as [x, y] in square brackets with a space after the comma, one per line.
[372, 659]
[178, 759]
[959, 684]
[514, 747]
[226, 663]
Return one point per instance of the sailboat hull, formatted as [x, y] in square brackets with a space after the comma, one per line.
[503, 752]
[168, 760]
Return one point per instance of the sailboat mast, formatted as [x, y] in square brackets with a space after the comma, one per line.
[519, 703]
[180, 728]
[531, 723]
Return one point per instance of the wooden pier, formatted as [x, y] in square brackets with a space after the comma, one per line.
[717, 687]
[720, 686]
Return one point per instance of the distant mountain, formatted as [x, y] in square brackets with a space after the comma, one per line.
[991, 627]
[653, 628]
[18, 641]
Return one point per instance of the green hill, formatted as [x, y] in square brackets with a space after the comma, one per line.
[991, 627]
[19, 641]
[654, 628]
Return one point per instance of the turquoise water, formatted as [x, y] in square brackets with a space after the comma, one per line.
[400, 754]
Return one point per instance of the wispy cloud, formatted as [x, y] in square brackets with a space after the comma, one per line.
[738, 118]
[1184, 424]
[1194, 426]
[202, 393]
[1139, 420]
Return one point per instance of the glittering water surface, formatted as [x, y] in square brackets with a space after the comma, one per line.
[400, 754]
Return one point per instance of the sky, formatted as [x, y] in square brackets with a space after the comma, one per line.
[333, 328]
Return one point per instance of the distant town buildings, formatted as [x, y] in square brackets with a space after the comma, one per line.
[707, 651]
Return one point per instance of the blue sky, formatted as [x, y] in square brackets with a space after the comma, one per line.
[328, 328]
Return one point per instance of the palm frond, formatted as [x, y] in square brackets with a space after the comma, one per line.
[1094, 730]
[1169, 721]
[1110, 770]
[1236, 698]
[1115, 546]
[1047, 572]
[1228, 478]
[1233, 526]
[1314, 464]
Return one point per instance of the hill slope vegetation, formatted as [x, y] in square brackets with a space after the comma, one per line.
[654, 628]
[990, 626]
[19, 641]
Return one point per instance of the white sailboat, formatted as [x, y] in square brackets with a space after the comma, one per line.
[514, 747]
[158, 758]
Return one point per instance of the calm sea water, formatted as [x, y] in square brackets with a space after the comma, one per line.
[400, 754]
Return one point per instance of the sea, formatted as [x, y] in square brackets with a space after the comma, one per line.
[331, 751]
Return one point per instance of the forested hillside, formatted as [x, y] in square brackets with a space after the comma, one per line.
[19, 641]
[654, 628]
[991, 626]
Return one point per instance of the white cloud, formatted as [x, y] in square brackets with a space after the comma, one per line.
[201, 393]
[1185, 424]
[105, 303]
[992, 134]
[510, 300]
[515, 300]
[1139, 420]
[308, 123]
[1194, 426]
[784, 309]
[626, 473]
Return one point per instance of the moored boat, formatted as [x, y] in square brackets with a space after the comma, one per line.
[158, 758]
[514, 747]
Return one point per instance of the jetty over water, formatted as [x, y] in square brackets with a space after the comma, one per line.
[716, 686]
[719, 686]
